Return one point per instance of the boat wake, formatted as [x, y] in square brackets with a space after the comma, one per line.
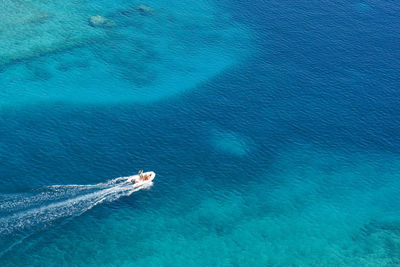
[23, 214]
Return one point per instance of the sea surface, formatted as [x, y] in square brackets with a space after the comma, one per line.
[273, 127]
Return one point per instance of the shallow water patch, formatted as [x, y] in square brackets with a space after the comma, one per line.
[231, 142]
[139, 59]
[32, 29]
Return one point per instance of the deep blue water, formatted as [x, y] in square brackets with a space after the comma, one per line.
[273, 127]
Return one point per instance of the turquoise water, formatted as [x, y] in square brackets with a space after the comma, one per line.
[273, 128]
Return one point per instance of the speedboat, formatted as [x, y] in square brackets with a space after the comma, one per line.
[148, 177]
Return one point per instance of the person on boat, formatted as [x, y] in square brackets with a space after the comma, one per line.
[140, 173]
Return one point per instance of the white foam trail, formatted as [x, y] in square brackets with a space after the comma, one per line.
[29, 212]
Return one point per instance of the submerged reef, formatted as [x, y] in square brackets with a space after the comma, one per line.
[31, 29]
[231, 143]
[145, 10]
[101, 22]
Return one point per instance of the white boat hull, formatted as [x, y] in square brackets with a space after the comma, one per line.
[139, 182]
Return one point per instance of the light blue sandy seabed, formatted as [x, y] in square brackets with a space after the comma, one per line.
[273, 127]
[144, 57]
